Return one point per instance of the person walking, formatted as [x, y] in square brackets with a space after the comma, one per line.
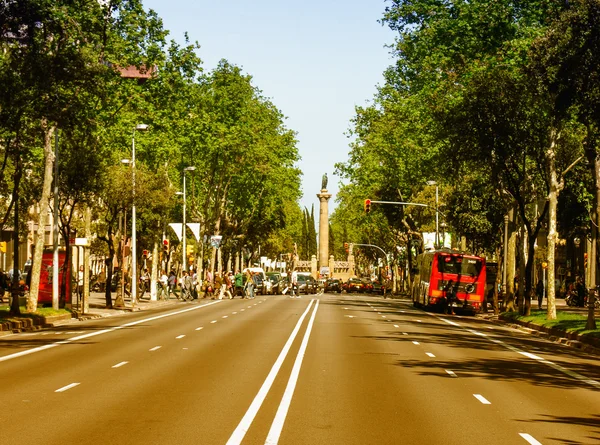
[295, 285]
[79, 282]
[186, 287]
[239, 284]
[173, 284]
[539, 290]
[144, 283]
[229, 285]
[218, 285]
[249, 285]
[163, 286]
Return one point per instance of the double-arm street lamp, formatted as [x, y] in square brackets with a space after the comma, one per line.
[138, 127]
[184, 254]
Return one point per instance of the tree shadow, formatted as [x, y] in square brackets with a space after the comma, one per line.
[495, 369]
[591, 422]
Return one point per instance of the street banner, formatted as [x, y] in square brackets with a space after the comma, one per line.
[195, 228]
[215, 241]
[177, 229]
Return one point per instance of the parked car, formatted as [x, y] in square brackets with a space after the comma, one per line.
[333, 285]
[367, 285]
[259, 284]
[306, 283]
[354, 285]
[277, 283]
[377, 288]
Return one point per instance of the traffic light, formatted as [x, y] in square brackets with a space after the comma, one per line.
[585, 258]
[166, 246]
[346, 247]
[145, 253]
[3, 246]
[367, 205]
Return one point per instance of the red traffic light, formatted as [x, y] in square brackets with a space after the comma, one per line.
[166, 242]
[367, 205]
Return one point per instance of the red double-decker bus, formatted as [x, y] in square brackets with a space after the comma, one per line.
[445, 277]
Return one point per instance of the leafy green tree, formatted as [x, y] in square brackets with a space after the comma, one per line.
[568, 62]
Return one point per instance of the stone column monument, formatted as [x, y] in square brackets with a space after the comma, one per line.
[324, 224]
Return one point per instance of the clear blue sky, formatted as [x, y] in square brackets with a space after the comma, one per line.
[315, 59]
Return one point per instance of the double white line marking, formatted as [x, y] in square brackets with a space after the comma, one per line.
[277, 425]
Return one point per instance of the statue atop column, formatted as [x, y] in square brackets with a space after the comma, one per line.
[324, 182]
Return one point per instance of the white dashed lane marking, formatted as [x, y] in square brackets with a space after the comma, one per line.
[415, 342]
[180, 336]
[200, 328]
[451, 373]
[118, 365]
[429, 354]
[65, 388]
[529, 438]
[213, 322]
[154, 348]
[482, 399]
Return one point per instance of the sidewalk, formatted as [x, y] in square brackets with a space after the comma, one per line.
[97, 305]
[97, 309]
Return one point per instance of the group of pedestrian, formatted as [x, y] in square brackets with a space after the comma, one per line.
[228, 285]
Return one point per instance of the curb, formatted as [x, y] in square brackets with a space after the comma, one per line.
[32, 324]
[28, 324]
[572, 339]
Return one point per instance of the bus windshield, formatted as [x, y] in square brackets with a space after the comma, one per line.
[459, 265]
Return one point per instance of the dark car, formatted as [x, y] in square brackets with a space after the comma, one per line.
[377, 288]
[333, 285]
[367, 285]
[354, 285]
[277, 282]
[306, 284]
[259, 284]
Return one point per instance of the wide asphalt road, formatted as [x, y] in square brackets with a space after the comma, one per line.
[328, 369]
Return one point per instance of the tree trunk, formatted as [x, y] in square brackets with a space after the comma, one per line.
[497, 282]
[521, 251]
[555, 188]
[44, 205]
[14, 305]
[154, 276]
[511, 262]
[86, 262]
[591, 320]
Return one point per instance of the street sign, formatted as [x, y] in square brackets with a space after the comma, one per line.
[82, 242]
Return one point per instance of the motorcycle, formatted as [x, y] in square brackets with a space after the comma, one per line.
[572, 299]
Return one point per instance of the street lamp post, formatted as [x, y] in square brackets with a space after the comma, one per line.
[139, 127]
[185, 266]
[437, 218]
